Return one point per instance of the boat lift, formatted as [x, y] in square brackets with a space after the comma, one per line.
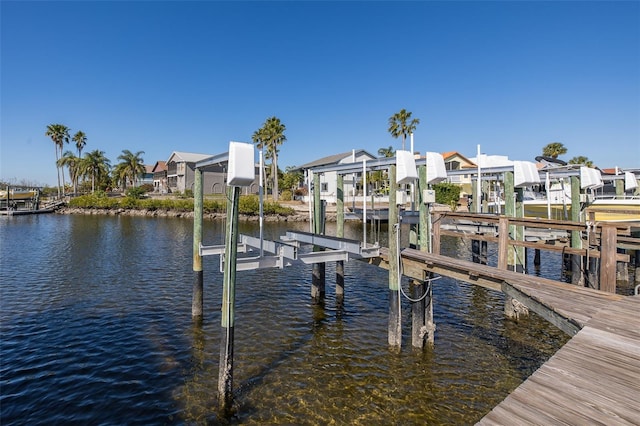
[286, 252]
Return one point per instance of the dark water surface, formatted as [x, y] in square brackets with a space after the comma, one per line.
[96, 328]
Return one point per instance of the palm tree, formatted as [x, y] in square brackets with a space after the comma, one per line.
[59, 134]
[387, 152]
[73, 164]
[81, 140]
[95, 165]
[399, 125]
[554, 149]
[270, 136]
[130, 167]
[581, 160]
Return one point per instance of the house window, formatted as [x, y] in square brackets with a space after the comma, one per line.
[452, 165]
[324, 187]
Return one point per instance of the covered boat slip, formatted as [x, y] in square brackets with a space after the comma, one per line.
[568, 192]
[17, 201]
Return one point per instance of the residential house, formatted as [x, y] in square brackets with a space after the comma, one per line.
[328, 180]
[160, 177]
[453, 160]
[147, 176]
[181, 174]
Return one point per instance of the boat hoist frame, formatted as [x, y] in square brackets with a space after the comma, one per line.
[285, 253]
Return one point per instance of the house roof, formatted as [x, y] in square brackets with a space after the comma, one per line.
[187, 157]
[451, 154]
[160, 166]
[148, 168]
[334, 159]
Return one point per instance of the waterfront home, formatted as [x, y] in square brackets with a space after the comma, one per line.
[181, 174]
[328, 180]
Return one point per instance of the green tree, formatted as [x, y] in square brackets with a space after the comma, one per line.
[387, 152]
[59, 134]
[95, 165]
[72, 162]
[554, 149]
[81, 140]
[129, 169]
[581, 160]
[400, 124]
[291, 178]
[269, 137]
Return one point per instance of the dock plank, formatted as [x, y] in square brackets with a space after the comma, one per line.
[593, 379]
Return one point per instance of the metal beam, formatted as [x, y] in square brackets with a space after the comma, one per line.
[351, 246]
[219, 249]
[213, 160]
[324, 256]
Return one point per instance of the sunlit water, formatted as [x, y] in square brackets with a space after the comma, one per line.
[96, 328]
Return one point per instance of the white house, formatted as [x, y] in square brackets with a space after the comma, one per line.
[352, 183]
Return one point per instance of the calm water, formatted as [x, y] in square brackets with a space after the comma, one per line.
[96, 328]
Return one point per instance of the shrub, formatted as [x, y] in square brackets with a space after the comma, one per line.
[286, 195]
[135, 192]
[447, 193]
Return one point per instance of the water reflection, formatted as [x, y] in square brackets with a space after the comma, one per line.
[96, 328]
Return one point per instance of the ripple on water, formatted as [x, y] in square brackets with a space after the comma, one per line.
[96, 329]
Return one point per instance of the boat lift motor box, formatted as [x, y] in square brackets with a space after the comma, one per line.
[630, 181]
[242, 168]
[525, 173]
[590, 178]
[406, 167]
[436, 170]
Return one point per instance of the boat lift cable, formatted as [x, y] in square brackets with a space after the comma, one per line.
[399, 260]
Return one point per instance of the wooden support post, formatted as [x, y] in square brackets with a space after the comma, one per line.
[637, 268]
[486, 189]
[507, 255]
[576, 241]
[510, 211]
[435, 228]
[340, 234]
[225, 369]
[520, 256]
[622, 271]
[593, 276]
[197, 298]
[395, 326]
[475, 251]
[620, 187]
[503, 242]
[424, 230]
[536, 258]
[422, 325]
[608, 241]
[318, 269]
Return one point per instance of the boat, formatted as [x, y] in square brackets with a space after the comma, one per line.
[18, 194]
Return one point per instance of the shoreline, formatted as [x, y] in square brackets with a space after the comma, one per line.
[299, 216]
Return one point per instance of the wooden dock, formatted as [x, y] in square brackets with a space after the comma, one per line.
[593, 379]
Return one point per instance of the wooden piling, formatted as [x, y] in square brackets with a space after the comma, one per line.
[576, 239]
[395, 326]
[225, 371]
[510, 211]
[608, 240]
[318, 269]
[197, 298]
[340, 234]
[422, 325]
[520, 255]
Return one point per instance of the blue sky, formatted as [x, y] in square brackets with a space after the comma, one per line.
[191, 76]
